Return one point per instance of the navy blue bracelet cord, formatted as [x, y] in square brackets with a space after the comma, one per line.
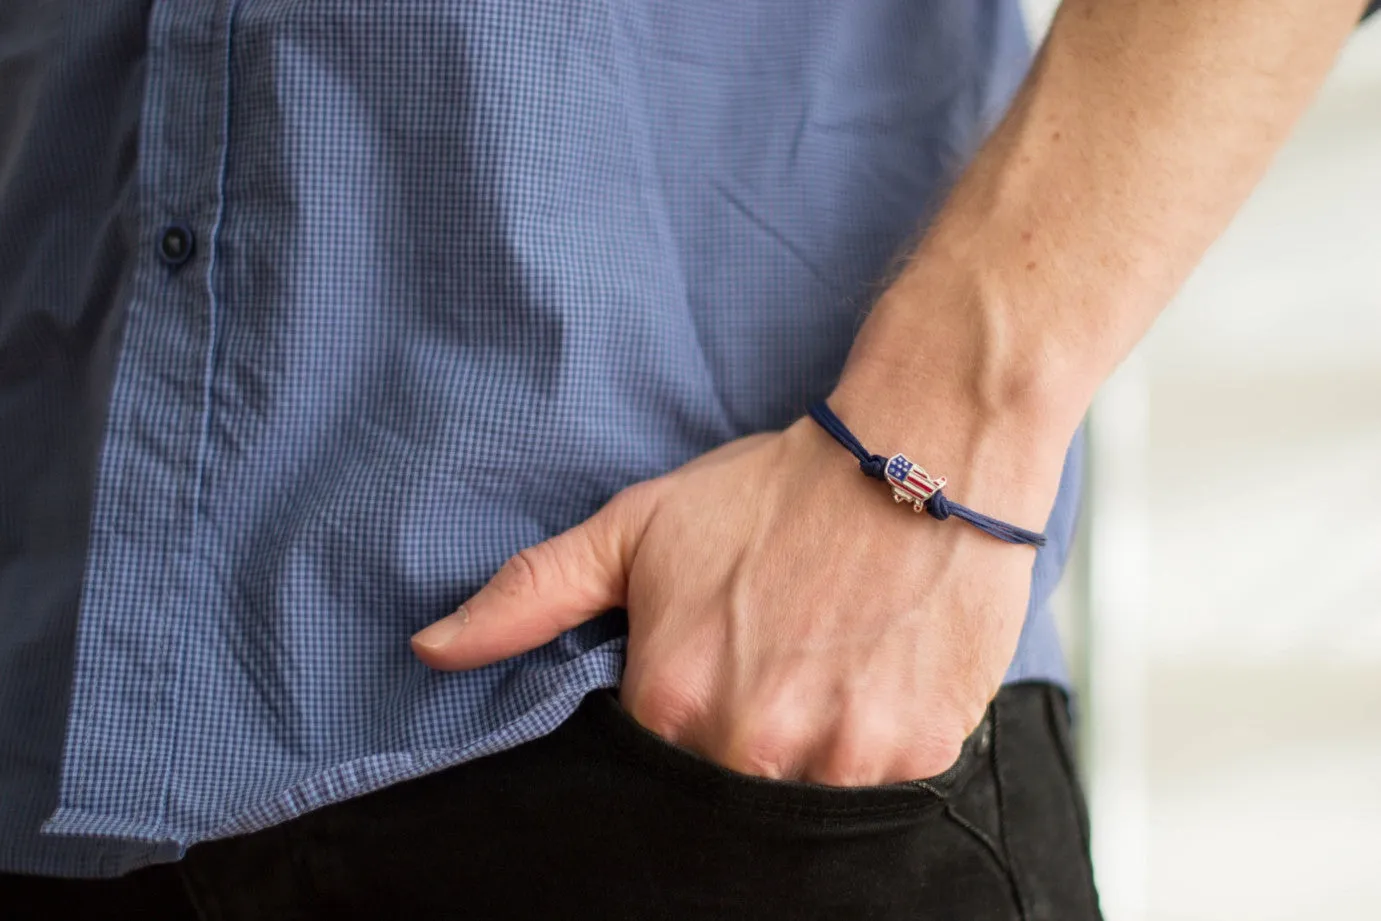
[910, 483]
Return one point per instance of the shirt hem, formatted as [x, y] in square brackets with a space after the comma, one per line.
[335, 785]
[342, 782]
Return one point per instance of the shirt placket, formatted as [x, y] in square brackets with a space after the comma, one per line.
[145, 567]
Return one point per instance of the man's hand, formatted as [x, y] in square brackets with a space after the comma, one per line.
[786, 618]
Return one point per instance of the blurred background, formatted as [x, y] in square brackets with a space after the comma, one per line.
[1224, 618]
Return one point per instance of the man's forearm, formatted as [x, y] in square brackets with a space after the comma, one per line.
[1140, 130]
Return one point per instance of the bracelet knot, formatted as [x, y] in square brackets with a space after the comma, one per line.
[911, 484]
[938, 506]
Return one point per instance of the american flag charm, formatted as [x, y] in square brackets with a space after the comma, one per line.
[910, 482]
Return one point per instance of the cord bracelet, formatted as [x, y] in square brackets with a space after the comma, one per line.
[910, 483]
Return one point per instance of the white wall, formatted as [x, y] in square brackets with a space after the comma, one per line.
[1234, 739]
[1264, 640]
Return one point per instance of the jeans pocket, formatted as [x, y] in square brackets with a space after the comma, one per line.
[798, 800]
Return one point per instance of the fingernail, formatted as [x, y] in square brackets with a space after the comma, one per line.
[443, 631]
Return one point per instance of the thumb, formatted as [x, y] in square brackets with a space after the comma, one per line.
[543, 591]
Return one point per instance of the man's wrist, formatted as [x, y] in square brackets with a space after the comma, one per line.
[947, 335]
[947, 371]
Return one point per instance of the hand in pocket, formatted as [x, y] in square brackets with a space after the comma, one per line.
[786, 619]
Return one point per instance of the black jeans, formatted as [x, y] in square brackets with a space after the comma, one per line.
[604, 820]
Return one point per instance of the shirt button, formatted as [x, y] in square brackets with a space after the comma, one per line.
[175, 245]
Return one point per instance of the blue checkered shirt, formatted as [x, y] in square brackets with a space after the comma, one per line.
[311, 314]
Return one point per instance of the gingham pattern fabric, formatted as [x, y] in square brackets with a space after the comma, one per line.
[459, 271]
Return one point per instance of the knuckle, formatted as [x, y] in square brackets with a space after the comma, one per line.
[936, 754]
[521, 574]
[849, 772]
[665, 708]
[860, 755]
[628, 511]
[767, 750]
[760, 760]
[638, 497]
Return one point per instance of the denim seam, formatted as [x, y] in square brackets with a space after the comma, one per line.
[992, 849]
[1071, 778]
[1012, 861]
